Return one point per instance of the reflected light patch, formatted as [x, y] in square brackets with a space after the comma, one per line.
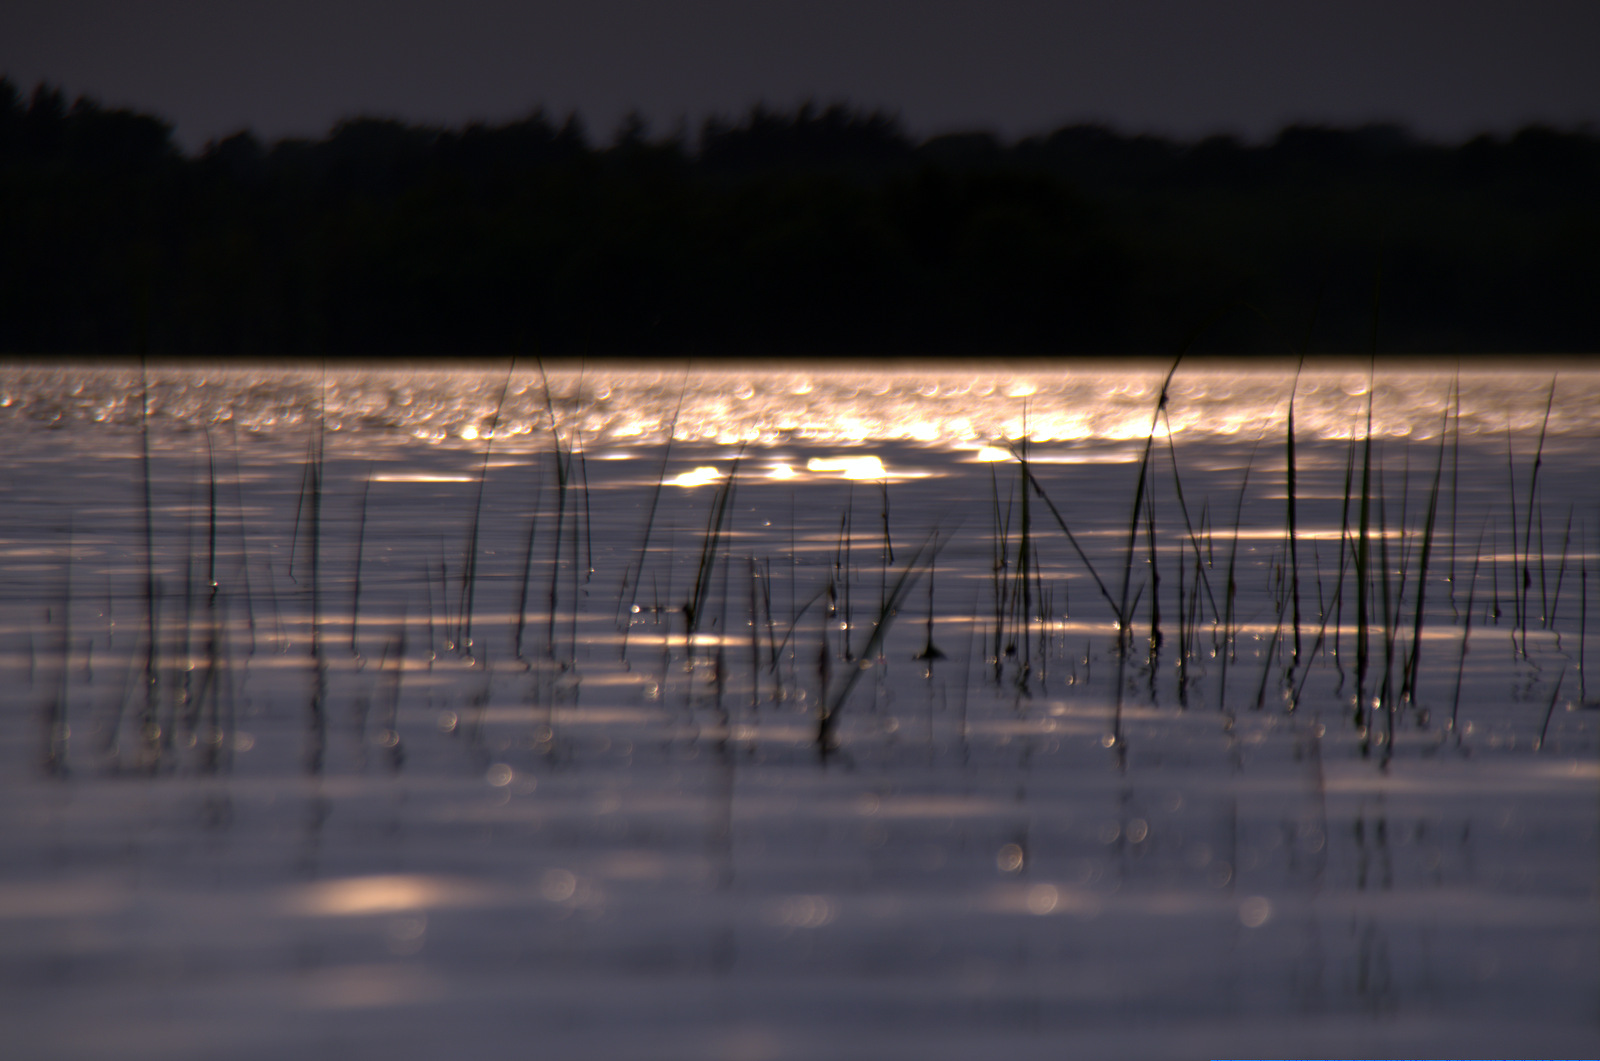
[358, 896]
[701, 476]
[422, 477]
[993, 454]
[849, 467]
[781, 471]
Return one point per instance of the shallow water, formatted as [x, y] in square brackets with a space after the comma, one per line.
[399, 831]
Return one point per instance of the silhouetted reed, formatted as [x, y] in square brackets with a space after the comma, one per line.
[469, 563]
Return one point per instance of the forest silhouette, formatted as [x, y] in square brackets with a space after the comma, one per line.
[816, 231]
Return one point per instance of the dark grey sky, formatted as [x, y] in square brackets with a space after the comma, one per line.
[1448, 69]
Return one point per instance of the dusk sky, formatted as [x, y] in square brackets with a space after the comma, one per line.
[290, 67]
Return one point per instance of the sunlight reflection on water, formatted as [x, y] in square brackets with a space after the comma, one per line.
[945, 404]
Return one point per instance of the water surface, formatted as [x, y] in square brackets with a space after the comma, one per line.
[365, 732]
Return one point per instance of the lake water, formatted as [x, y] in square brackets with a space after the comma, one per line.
[357, 713]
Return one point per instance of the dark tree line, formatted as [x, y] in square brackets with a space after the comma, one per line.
[815, 231]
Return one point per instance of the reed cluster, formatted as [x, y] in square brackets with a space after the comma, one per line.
[1241, 615]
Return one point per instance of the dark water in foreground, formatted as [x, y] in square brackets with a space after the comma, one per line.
[388, 781]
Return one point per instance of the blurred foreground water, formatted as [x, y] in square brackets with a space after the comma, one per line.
[363, 731]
